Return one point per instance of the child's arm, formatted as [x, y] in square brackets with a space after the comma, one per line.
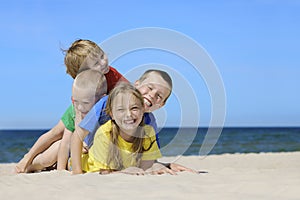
[141, 170]
[64, 149]
[76, 149]
[179, 168]
[132, 171]
[40, 145]
[158, 168]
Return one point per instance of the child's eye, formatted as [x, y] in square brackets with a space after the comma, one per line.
[135, 108]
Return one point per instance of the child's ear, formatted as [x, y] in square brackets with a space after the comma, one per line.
[136, 83]
[162, 104]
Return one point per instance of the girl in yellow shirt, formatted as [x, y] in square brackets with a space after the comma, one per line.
[124, 142]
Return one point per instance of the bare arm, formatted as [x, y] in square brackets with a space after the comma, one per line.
[179, 168]
[146, 166]
[141, 170]
[40, 145]
[76, 149]
[64, 149]
[170, 168]
[159, 168]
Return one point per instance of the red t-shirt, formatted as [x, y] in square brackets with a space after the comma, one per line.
[113, 77]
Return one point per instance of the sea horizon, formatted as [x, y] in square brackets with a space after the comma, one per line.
[185, 127]
[174, 141]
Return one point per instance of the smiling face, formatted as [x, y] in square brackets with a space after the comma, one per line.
[127, 111]
[155, 90]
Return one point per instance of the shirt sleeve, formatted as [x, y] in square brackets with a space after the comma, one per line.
[68, 118]
[94, 119]
[113, 77]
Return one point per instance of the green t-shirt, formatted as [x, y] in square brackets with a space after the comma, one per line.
[68, 118]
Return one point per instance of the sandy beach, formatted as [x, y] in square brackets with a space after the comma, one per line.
[227, 176]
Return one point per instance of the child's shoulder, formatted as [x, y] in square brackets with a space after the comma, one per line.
[102, 99]
[149, 130]
[101, 103]
[105, 128]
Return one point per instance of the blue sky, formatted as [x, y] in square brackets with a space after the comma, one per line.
[253, 44]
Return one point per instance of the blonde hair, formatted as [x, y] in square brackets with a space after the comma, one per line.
[91, 80]
[114, 156]
[78, 52]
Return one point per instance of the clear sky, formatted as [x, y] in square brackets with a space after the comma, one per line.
[253, 44]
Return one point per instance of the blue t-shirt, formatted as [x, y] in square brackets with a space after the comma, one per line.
[97, 116]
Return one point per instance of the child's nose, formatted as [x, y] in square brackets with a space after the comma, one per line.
[152, 93]
[80, 108]
[128, 112]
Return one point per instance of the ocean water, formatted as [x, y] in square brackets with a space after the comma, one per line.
[184, 141]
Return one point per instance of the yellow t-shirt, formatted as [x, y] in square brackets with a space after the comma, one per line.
[96, 159]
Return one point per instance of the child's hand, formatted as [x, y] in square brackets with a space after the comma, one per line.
[158, 169]
[179, 168]
[85, 148]
[133, 171]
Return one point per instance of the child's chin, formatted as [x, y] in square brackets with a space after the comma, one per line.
[131, 127]
[83, 115]
[147, 109]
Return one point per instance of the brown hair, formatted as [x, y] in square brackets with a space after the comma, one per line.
[77, 53]
[91, 80]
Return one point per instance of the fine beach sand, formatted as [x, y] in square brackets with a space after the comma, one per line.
[227, 176]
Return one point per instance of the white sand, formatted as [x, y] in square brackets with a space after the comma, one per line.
[235, 176]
